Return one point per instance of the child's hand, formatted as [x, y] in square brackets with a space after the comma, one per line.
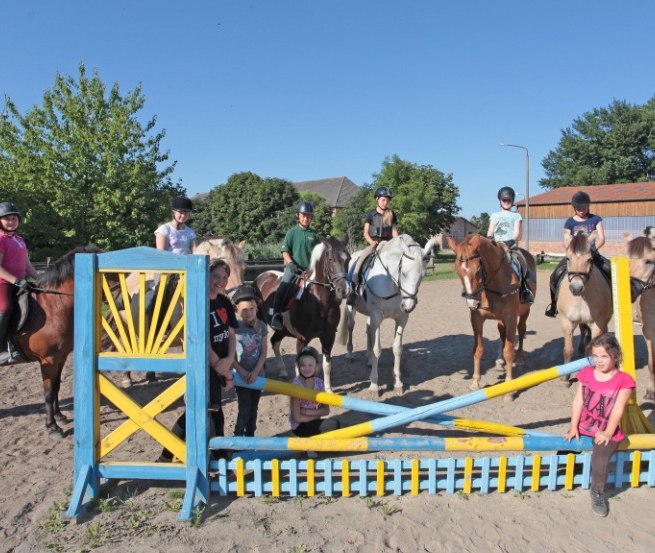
[572, 433]
[602, 438]
[229, 383]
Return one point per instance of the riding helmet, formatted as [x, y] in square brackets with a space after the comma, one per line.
[181, 203]
[580, 200]
[308, 350]
[9, 208]
[383, 192]
[305, 207]
[506, 193]
[244, 292]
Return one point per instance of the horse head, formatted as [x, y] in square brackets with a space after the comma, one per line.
[641, 255]
[329, 265]
[579, 262]
[231, 252]
[469, 268]
[411, 272]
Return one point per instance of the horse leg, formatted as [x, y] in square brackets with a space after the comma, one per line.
[369, 343]
[650, 390]
[522, 328]
[276, 340]
[48, 373]
[509, 353]
[327, 343]
[126, 380]
[374, 350]
[500, 358]
[398, 351]
[478, 348]
[349, 313]
[568, 328]
[56, 385]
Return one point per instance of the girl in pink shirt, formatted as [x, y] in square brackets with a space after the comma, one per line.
[597, 410]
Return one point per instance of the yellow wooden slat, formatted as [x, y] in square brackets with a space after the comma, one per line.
[275, 477]
[158, 301]
[468, 475]
[311, 482]
[127, 309]
[134, 411]
[115, 340]
[502, 474]
[114, 311]
[570, 471]
[536, 473]
[379, 477]
[152, 409]
[415, 475]
[345, 478]
[142, 311]
[168, 316]
[241, 476]
[636, 469]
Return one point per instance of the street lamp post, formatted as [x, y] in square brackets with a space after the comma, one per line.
[527, 192]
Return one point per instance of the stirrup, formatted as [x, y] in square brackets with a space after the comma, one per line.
[276, 322]
[551, 310]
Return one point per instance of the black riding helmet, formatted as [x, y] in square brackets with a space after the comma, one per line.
[383, 192]
[580, 200]
[244, 292]
[305, 207]
[506, 193]
[308, 350]
[181, 203]
[9, 208]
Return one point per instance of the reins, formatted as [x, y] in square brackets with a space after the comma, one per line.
[40, 290]
[483, 287]
[404, 294]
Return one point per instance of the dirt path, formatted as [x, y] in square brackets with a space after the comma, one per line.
[141, 517]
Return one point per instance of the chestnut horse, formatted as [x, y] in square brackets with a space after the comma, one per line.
[47, 335]
[316, 313]
[491, 289]
[587, 300]
[641, 256]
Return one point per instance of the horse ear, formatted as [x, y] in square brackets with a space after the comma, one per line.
[242, 245]
[345, 239]
[452, 244]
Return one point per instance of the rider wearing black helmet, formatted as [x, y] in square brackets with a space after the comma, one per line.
[582, 221]
[176, 236]
[15, 266]
[505, 226]
[379, 226]
[296, 252]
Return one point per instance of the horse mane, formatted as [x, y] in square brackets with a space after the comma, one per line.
[317, 253]
[639, 247]
[222, 247]
[63, 269]
[579, 244]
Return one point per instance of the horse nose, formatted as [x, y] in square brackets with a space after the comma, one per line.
[408, 305]
[576, 288]
[473, 304]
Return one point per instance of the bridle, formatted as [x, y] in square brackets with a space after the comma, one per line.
[649, 282]
[404, 294]
[332, 278]
[582, 275]
[476, 295]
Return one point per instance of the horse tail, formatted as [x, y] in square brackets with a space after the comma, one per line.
[344, 324]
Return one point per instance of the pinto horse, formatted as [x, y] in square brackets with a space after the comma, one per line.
[315, 311]
[641, 256]
[491, 289]
[47, 335]
[587, 300]
[389, 291]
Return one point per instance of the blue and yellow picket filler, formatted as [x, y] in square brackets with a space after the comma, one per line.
[112, 334]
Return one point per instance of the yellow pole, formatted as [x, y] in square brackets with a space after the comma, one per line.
[633, 421]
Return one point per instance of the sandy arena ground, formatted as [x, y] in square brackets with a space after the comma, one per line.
[142, 516]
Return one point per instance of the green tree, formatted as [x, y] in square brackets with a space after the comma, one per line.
[605, 146]
[350, 219]
[425, 199]
[83, 168]
[248, 207]
[322, 221]
[482, 222]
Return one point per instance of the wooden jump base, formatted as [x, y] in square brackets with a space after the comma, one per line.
[378, 477]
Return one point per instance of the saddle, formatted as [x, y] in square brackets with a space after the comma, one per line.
[293, 292]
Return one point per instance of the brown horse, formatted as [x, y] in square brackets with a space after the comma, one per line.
[317, 312]
[587, 300]
[47, 335]
[491, 289]
[641, 255]
[231, 252]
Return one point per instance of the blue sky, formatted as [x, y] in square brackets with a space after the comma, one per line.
[314, 89]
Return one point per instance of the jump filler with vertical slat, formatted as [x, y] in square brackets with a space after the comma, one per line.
[266, 465]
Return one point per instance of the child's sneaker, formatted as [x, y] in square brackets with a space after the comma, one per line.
[599, 503]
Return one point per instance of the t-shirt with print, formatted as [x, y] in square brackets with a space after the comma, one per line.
[504, 222]
[250, 340]
[587, 226]
[221, 318]
[319, 386]
[598, 399]
[179, 241]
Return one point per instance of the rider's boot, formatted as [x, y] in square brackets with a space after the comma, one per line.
[351, 299]
[275, 312]
[6, 355]
[555, 278]
[526, 293]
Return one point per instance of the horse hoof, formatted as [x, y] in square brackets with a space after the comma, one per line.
[150, 377]
[509, 398]
[62, 418]
[55, 433]
[475, 385]
[126, 383]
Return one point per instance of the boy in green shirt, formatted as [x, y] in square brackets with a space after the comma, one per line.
[296, 252]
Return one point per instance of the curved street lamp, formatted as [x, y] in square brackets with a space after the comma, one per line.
[527, 192]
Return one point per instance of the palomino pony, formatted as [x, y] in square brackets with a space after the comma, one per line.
[491, 289]
[47, 335]
[214, 248]
[587, 300]
[641, 255]
[315, 313]
[389, 291]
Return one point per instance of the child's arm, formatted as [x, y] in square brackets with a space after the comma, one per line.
[604, 436]
[576, 411]
[307, 415]
[260, 362]
[220, 369]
